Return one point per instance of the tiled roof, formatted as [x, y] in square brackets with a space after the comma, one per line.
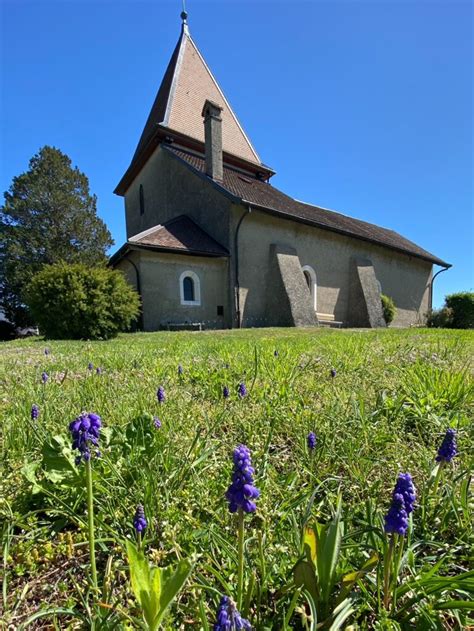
[255, 192]
[186, 85]
[181, 234]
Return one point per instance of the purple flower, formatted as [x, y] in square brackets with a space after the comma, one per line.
[156, 422]
[275, 353]
[180, 369]
[396, 520]
[406, 488]
[98, 370]
[333, 372]
[46, 351]
[160, 394]
[448, 448]
[85, 431]
[311, 439]
[225, 392]
[242, 390]
[34, 412]
[44, 377]
[229, 618]
[90, 366]
[242, 490]
[139, 521]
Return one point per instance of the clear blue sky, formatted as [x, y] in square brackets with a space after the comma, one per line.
[362, 107]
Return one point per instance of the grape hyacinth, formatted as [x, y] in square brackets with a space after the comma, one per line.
[225, 392]
[85, 431]
[333, 372]
[448, 449]
[396, 520]
[311, 439]
[180, 370]
[139, 521]
[90, 366]
[160, 394]
[242, 490]
[46, 351]
[98, 370]
[44, 377]
[34, 412]
[242, 390]
[229, 618]
[275, 353]
[156, 422]
[406, 488]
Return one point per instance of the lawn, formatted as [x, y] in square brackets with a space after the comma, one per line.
[383, 410]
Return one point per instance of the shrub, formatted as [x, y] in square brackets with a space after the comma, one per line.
[462, 306]
[80, 302]
[440, 318]
[388, 307]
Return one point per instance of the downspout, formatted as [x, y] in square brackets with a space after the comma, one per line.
[444, 269]
[139, 291]
[236, 257]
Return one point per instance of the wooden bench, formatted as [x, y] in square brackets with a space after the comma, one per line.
[327, 319]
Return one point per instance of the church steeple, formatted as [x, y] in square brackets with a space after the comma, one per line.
[186, 85]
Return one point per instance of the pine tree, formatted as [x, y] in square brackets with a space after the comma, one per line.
[48, 216]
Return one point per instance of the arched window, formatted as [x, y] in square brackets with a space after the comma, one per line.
[142, 200]
[310, 277]
[190, 289]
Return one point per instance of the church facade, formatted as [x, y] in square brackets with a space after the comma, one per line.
[212, 244]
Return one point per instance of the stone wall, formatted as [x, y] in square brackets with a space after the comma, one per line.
[405, 278]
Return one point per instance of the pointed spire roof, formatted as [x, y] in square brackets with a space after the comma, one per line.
[186, 85]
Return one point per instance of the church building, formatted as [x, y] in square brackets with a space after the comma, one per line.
[212, 244]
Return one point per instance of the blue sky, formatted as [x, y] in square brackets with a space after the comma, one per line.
[362, 107]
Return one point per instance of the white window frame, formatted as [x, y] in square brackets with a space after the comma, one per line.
[197, 289]
[314, 284]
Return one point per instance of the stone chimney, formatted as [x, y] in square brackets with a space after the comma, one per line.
[213, 140]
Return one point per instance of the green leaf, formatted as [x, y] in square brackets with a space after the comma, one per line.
[140, 580]
[304, 576]
[309, 541]
[171, 581]
[349, 579]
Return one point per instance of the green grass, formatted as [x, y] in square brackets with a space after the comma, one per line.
[386, 411]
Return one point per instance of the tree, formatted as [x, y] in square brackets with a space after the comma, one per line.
[48, 216]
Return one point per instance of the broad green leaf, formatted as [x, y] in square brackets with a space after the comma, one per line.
[172, 580]
[305, 576]
[141, 583]
[349, 579]
[309, 539]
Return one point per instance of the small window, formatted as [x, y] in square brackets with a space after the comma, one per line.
[190, 289]
[142, 200]
[310, 278]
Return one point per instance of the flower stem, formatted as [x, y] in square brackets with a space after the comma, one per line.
[387, 573]
[437, 478]
[90, 519]
[240, 576]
